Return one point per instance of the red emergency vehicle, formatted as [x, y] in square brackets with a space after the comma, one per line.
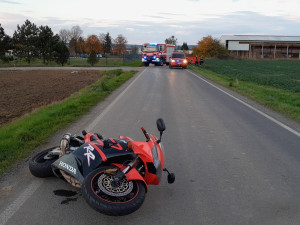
[157, 54]
[178, 59]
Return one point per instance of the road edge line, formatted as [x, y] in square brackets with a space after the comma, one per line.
[249, 106]
[16, 204]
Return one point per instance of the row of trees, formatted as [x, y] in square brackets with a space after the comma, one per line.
[30, 41]
[172, 40]
[207, 47]
[103, 43]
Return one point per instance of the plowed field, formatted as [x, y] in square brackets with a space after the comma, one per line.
[23, 91]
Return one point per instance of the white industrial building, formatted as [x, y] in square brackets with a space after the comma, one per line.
[263, 46]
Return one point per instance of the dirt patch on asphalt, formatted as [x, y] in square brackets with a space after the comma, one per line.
[23, 91]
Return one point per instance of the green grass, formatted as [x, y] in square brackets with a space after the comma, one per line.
[18, 138]
[279, 74]
[271, 83]
[74, 62]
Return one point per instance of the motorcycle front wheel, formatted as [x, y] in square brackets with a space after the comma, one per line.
[40, 164]
[103, 196]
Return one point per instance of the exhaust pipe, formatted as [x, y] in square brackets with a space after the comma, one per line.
[65, 144]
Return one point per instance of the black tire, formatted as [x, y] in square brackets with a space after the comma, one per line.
[40, 164]
[161, 63]
[107, 202]
[146, 64]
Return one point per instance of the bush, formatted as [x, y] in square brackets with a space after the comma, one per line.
[92, 59]
[6, 59]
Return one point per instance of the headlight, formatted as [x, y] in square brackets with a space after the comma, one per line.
[172, 60]
[185, 61]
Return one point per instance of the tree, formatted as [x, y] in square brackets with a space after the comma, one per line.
[93, 44]
[184, 46]
[171, 40]
[120, 44]
[25, 40]
[5, 43]
[92, 59]
[61, 53]
[80, 45]
[134, 49]
[46, 42]
[106, 43]
[73, 46]
[77, 45]
[210, 47]
[64, 35]
[76, 32]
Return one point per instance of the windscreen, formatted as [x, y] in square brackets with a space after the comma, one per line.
[180, 56]
[150, 48]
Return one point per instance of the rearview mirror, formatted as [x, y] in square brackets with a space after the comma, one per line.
[160, 125]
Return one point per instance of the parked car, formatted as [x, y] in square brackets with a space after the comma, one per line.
[178, 59]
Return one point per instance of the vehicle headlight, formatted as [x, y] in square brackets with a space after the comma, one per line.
[172, 60]
[185, 61]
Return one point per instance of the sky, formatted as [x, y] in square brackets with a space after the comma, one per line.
[154, 21]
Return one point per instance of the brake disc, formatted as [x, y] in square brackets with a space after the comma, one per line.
[105, 185]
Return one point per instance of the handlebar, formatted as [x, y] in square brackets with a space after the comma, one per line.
[97, 134]
[145, 133]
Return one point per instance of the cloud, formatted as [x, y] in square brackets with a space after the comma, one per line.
[10, 2]
[157, 17]
[144, 30]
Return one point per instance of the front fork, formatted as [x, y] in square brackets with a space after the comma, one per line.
[122, 173]
[133, 174]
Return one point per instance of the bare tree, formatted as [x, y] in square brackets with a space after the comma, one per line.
[76, 32]
[171, 40]
[120, 44]
[102, 37]
[65, 35]
[134, 49]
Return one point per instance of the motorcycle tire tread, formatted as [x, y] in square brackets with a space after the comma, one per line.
[112, 209]
[43, 169]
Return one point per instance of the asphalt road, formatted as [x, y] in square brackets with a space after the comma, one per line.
[235, 162]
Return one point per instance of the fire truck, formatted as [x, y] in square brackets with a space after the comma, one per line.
[157, 54]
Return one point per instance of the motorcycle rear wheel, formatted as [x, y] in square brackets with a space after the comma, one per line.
[103, 197]
[40, 164]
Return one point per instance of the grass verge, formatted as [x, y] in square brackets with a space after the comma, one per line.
[279, 100]
[18, 138]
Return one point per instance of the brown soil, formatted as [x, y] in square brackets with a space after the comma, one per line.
[23, 91]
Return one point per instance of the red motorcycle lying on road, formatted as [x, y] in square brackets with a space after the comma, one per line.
[114, 174]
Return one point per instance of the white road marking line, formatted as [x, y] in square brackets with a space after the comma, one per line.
[98, 118]
[14, 207]
[251, 107]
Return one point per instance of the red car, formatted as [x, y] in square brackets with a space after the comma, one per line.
[178, 59]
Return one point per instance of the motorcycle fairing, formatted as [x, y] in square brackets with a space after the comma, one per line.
[68, 164]
[91, 155]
